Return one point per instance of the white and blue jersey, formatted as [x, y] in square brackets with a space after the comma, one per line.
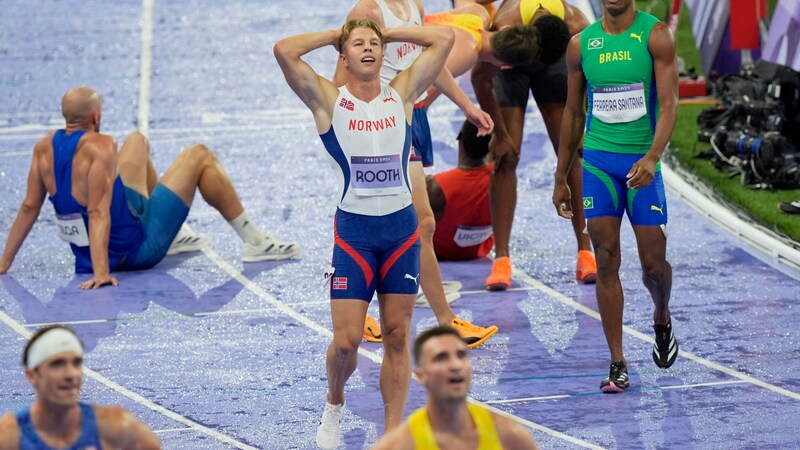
[376, 243]
[369, 144]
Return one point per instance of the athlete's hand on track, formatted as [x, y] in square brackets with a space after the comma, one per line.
[96, 282]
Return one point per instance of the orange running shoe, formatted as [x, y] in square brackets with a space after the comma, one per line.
[500, 279]
[372, 331]
[586, 269]
[473, 335]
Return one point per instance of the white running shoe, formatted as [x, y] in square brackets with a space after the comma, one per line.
[451, 294]
[270, 249]
[329, 431]
[187, 241]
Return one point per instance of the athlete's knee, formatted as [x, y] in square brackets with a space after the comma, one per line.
[344, 347]
[654, 270]
[137, 138]
[199, 155]
[395, 339]
[198, 151]
[136, 141]
[508, 163]
[608, 260]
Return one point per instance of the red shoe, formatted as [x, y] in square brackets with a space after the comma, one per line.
[500, 279]
[586, 269]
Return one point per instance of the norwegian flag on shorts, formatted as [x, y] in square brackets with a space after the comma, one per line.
[346, 104]
[339, 283]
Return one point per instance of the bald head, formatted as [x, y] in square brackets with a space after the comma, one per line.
[81, 105]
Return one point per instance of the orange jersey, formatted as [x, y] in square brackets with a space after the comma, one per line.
[465, 229]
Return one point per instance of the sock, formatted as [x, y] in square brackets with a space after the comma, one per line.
[247, 230]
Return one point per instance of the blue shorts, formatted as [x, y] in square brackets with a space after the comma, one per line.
[161, 216]
[605, 192]
[375, 253]
[421, 141]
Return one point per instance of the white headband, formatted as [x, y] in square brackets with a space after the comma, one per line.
[52, 342]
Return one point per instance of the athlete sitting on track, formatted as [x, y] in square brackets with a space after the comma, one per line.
[112, 208]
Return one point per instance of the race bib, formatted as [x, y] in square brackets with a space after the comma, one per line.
[72, 229]
[470, 236]
[619, 104]
[372, 176]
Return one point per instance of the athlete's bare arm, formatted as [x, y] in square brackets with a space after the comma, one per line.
[501, 142]
[121, 430]
[572, 122]
[412, 82]
[101, 151]
[28, 210]
[9, 432]
[315, 91]
[662, 47]
[447, 85]
[575, 19]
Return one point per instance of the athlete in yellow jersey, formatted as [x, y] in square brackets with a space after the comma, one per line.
[447, 421]
[529, 8]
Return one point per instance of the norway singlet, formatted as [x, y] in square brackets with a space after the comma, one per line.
[623, 102]
[89, 438]
[465, 229]
[424, 439]
[126, 233]
[369, 145]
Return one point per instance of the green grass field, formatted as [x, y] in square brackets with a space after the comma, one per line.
[760, 204]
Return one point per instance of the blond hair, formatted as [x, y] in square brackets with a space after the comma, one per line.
[352, 24]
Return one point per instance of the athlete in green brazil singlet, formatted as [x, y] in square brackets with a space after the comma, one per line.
[623, 102]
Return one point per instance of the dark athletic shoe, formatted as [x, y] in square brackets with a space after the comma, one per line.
[617, 380]
[790, 207]
[665, 349]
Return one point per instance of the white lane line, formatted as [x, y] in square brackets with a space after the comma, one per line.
[19, 328]
[713, 383]
[527, 399]
[171, 430]
[655, 388]
[145, 67]
[18, 153]
[641, 336]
